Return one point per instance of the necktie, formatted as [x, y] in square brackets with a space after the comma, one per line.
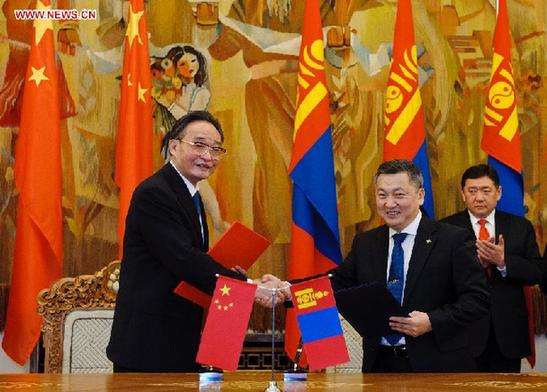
[485, 235]
[396, 278]
[483, 231]
[197, 203]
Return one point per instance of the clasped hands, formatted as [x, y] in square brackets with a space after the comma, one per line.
[490, 253]
[267, 286]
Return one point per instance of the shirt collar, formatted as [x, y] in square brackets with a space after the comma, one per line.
[193, 189]
[412, 227]
[490, 218]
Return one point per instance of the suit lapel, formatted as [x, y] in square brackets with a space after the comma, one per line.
[205, 247]
[502, 225]
[466, 221]
[185, 201]
[424, 242]
[380, 252]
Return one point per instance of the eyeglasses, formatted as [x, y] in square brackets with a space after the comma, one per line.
[202, 148]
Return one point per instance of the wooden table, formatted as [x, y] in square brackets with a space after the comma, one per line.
[258, 381]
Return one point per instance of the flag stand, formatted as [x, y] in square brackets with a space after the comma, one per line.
[296, 374]
[272, 387]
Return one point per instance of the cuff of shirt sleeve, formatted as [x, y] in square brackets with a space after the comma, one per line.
[503, 271]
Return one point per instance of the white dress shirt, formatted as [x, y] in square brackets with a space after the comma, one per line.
[193, 189]
[490, 223]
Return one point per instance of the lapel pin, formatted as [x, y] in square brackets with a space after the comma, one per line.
[428, 241]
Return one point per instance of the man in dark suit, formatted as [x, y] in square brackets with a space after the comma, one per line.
[166, 240]
[434, 266]
[511, 262]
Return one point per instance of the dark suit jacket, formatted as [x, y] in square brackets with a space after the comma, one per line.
[444, 280]
[508, 311]
[543, 267]
[154, 329]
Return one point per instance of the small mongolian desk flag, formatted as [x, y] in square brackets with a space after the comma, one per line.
[319, 323]
[226, 324]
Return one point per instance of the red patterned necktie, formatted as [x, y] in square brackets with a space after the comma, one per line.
[483, 231]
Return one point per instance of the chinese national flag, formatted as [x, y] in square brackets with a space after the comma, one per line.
[134, 140]
[226, 324]
[38, 242]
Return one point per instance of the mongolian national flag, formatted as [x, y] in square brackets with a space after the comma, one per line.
[501, 134]
[404, 115]
[134, 140]
[226, 324]
[315, 243]
[39, 236]
[501, 137]
[319, 323]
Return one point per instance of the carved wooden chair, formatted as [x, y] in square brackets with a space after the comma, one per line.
[354, 343]
[78, 316]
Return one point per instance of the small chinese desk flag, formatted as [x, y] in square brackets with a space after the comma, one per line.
[226, 324]
[319, 323]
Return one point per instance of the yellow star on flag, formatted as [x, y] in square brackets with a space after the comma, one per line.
[141, 91]
[41, 25]
[225, 290]
[38, 75]
[129, 79]
[133, 27]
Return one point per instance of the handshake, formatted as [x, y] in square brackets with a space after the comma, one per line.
[271, 291]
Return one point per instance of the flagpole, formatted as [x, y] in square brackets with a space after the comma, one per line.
[272, 387]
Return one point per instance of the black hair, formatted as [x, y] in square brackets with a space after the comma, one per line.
[478, 171]
[401, 166]
[182, 123]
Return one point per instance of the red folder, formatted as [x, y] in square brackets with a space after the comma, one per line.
[239, 245]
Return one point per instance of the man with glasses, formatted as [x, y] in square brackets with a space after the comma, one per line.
[166, 240]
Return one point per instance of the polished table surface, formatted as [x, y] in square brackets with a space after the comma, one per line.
[258, 381]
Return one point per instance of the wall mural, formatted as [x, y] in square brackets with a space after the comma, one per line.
[238, 59]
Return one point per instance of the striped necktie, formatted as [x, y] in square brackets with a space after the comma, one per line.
[396, 280]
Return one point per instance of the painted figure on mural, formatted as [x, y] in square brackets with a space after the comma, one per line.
[269, 97]
[185, 75]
